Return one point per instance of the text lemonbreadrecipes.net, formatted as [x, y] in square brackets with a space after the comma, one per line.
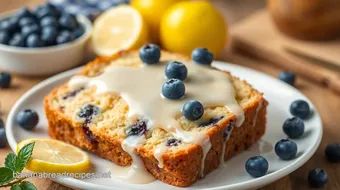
[63, 175]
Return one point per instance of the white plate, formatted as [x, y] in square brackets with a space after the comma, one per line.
[233, 175]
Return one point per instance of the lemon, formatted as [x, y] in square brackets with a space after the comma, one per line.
[55, 156]
[152, 12]
[188, 25]
[119, 28]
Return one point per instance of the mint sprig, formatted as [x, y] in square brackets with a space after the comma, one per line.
[15, 164]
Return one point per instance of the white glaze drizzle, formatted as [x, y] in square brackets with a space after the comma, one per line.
[259, 106]
[141, 89]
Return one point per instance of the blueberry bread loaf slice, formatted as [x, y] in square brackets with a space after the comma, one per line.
[115, 108]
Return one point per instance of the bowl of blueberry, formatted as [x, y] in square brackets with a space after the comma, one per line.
[42, 41]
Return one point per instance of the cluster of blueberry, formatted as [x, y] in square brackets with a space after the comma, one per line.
[176, 72]
[89, 8]
[286, 149]
[45, 26]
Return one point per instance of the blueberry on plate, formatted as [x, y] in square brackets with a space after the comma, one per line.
[173, 89]
[17, 40]
[202, 56]
[78, 32]
[2, 123]
[150, 54]
[68, 21]
[333, 152]
[64, 37]
[27, 119]
[49, 21]
[193, 110]
[4, 37]
[177, 70]
[30, 29]
[317, 177]
[5, 80]
[287, 77]
[286, 149]
[300, 108]
[34, 41]
[24, 21]
[294, 127]
[49, 35]
[3, 139]
[257, 166]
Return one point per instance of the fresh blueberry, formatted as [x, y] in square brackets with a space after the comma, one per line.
[4, 37]
[3, 139]
[150, 54]
[173, 142]
[17, 40]
[5, 80]
[30, 29]
[65, 37]
[286, 149]
[137, 129]
[202, 56]
[257, 166]
[2, 123]
[49, 35]
[177, 70]
[47, 10]
[193, 110]
[333, 152]
[317, 177]
[49, 21]
[34, 41]
[78, 32]
[294, 127]
[73, 9]
[68, 21]
[173, 89]
[300, 108]
[8, 25]
[288, 77]
[27, 119]
[91, 2]
[27, 21]
[24, 12]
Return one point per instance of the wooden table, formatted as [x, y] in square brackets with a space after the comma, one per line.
[326, 102]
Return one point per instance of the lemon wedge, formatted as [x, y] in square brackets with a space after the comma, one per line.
[53, 156]
[119, 28]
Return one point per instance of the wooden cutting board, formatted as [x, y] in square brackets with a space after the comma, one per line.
[258, 36]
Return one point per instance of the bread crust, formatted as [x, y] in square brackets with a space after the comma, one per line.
[181, 168]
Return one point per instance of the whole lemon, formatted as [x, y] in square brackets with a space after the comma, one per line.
[188, 25]
[152, 12]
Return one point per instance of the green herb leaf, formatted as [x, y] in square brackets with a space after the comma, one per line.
[6, 175]
[23, 156]
[26, 185]
[10, 161]
[15, 187]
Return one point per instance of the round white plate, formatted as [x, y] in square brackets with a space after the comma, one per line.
[233, 175]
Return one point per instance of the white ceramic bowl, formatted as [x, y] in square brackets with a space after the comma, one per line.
[46, 60]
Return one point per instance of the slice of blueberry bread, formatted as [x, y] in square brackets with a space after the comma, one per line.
[101, 121]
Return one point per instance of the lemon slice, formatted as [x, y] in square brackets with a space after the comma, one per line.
[119, 28]
[53, 156]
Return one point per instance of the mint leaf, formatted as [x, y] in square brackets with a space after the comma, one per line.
[6, 175]
[26, 185]
[23, 156]
[15, 187]
[10, 161]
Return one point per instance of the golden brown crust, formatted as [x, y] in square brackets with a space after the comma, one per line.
[180, 169]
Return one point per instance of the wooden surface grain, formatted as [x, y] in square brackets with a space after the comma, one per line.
[326, 102]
